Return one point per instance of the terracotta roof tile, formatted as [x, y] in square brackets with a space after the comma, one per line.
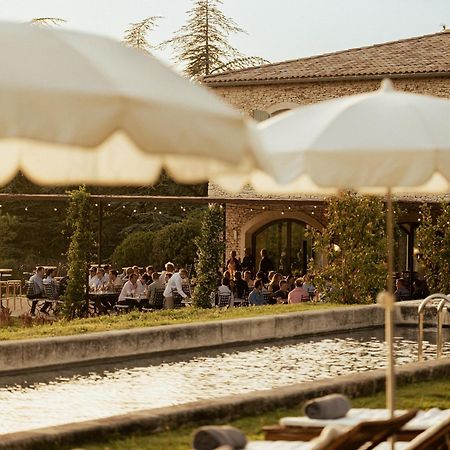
[422, 54]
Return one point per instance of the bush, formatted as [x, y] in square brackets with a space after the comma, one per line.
[176, 242]
[354, 248]
[433, 243]
[136, 248]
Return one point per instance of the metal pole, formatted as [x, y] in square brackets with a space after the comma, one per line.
[99, 232]
[389, 310]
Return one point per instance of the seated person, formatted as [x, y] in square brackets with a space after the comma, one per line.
[274, 284]
[157, 284]
[298, 294]
[99, 281]
[36, 290]
[50, 281]
[130, 291]
[309, 287]
[281, 296]
[240, 286]
[402, 293]
[115, 283]
[248, 279]
[92, 274]
[225, 289]
[256, 297]
[420, 290]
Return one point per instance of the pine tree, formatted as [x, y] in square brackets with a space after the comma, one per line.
[210, 247]
[136, 33]
[433, 243]
[353, 245]
[202, 43]
[47, 22]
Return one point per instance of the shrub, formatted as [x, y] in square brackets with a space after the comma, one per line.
[353, 245]
[210, 248]
[79, 221]
[136, 248]
[176, 242]
[433, 243]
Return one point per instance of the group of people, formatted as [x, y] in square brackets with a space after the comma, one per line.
[42, 285]
[142, 287]
[266, 287]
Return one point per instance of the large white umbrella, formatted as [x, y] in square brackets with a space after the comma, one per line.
[376, 142]
[77, 108]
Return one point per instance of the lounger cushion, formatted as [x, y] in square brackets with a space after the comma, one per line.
[211, 437]
[330, 406]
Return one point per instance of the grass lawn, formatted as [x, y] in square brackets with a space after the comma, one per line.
[423, 395]
[153, 319]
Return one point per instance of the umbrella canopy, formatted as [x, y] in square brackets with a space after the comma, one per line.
[385, 139]
[375, 142]
[80, 108]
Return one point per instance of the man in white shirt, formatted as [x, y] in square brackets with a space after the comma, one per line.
[174, 282]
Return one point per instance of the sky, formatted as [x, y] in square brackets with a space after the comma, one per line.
[277, 30]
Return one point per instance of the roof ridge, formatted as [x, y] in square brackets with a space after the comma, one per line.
[322, 55]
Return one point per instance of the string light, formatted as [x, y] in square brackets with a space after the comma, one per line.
[160, 212]
[123, 206]
[26, 208]
[135, 210]
[55, 209]
[282, 213]
[109, 204]
[96, 204]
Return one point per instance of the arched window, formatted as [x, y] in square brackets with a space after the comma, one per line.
[286, 244]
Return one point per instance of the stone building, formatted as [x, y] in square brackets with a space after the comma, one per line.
[419, 64]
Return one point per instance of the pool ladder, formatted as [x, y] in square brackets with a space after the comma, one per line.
[442, 300]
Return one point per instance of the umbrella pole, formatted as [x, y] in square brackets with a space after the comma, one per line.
[389, 310]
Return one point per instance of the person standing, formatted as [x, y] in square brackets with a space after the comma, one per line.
[248, 261]
[266, 264]
[174, 282]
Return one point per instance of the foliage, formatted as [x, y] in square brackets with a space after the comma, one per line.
[433, 243]
[135, 249]
[47, 22]
[202, 43]
[8, 234]
[136, 33]
[79, 220]
[41, 223]
[354, 246]
[176, 242]
[136, 319]
[210, 246]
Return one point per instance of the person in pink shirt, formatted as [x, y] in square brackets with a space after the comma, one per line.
[298, 294]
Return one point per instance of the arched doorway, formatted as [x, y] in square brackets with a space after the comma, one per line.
[286, 243]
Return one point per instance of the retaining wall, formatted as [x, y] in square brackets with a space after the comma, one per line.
[16, 356]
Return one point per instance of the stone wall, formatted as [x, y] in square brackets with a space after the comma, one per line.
[266, 97]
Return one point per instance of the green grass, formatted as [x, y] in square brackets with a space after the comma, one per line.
[153, 319]
[419, 395]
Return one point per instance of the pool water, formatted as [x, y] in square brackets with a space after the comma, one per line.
[90, 393]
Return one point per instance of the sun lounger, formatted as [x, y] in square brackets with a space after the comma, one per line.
[369, 434]
[304, 429]
[436, 437]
